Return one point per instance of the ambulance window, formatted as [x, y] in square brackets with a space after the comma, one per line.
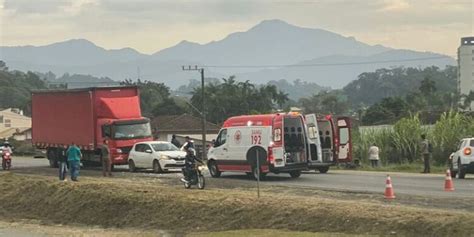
[312, 132]
[277, 135]
[221, 139]
[343, 136]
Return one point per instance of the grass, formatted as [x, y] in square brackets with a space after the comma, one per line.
[266, 233]
[406, 168]
[150, 205]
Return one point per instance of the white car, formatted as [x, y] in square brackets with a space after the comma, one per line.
[156, 155]
[462, 160]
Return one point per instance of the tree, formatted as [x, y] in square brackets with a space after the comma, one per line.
[428, 86]
[152, 95]
[229, 98]
[326, 102]
[3, 66]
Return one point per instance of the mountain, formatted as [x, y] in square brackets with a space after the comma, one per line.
[272, 42]
[338, 70]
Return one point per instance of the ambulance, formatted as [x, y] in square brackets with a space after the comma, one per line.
[336, 142]
[260, 144]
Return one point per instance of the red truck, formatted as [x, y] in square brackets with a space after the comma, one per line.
[86, 117]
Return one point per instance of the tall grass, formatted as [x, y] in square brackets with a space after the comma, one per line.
[399, 144]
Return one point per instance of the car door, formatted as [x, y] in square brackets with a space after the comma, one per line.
[137, 155]
[314, 142]
[147, 156]
[345, 140]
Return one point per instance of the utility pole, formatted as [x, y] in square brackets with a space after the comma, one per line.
[203, 109]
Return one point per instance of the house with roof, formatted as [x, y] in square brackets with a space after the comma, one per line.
[164, 127]
[13, 122]
[182, 125]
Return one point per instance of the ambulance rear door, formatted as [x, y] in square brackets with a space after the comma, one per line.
[312, 131]
[345, 139]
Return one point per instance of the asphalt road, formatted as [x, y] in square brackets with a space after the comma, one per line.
[338, 180]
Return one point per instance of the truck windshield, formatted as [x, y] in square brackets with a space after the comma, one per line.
[132, 131]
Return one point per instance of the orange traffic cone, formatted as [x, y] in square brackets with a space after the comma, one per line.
[448, 183]
[389, 189]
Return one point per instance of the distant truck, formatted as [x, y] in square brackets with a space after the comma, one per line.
[86, 117]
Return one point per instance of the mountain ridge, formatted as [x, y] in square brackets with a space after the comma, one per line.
[271, 42]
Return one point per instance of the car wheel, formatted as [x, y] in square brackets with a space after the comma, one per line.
[157, 167]
[452, 171]
[131, 166]
[295, 173]
[323, 170]
[213, 169]
[461, 171]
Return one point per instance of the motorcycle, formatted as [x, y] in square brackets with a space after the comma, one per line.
[195, 178]
[6, 160]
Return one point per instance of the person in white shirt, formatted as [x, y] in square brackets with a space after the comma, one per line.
[374, 155]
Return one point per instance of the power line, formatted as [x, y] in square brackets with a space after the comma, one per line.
[326, 64]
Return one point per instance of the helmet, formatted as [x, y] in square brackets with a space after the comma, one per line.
[6, 143]
[191, 151]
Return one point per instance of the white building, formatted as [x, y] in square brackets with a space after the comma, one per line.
[466, 67]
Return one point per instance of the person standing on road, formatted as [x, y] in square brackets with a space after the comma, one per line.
[106, 158]
[425, 153]
[74, 157]
[175, 141]
[62, 159]
[374, 155]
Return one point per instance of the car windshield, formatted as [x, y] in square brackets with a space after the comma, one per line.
[131, 131]
[164, 147]
[471, 143]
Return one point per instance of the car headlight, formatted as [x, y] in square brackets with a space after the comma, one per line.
[164, 157]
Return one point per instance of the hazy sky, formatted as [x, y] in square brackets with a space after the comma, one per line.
[151, 25]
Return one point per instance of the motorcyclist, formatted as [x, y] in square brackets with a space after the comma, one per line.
[190, 159]
[6, 147]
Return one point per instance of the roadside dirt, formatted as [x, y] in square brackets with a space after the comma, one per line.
[151, 204]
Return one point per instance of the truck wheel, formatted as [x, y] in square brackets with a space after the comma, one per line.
[157, 167]
[213, 169]
[131, 166]
[295, 173]
[255, 173]
[323, 170]
[461, 171]
[51, 154]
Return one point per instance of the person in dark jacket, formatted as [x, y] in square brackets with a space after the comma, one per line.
[106, 159]
[175, 141]
[62, 160]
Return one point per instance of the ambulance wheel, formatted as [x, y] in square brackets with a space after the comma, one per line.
[255, 173]
[295, 174]
[323, 170]
[213, 169]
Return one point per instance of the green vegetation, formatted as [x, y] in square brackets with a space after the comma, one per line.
[16, 87]
[372, 87]
[231, 98]
[400, 144]
[266, 233]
